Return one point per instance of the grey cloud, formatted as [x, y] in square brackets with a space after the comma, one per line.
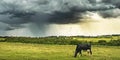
[59, 11]
[110, 13]
[5, 27]
[114, 2]
[16, 13]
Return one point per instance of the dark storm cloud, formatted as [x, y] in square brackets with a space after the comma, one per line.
[65, 12]
[114, 2]
[65, 17]
[17, 13]
[114, 13]
[74, 14]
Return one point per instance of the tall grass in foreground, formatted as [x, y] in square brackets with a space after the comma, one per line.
[23, 51]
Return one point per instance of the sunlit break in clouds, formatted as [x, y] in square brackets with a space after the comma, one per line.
[59, 17]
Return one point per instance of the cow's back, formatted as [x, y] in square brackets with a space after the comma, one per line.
[83, 46]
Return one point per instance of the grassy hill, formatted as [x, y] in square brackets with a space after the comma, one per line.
[59, 48]
[23, 51]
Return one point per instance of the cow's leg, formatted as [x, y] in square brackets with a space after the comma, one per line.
[80, 52]
[90, 51]
[76, 52]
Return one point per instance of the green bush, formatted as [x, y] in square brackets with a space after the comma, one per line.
[102, 42]
[52, 40]
[114, 43]
[2, 40]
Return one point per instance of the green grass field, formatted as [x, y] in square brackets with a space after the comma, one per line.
[23, 51]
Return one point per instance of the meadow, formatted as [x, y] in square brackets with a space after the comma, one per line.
[27, 51]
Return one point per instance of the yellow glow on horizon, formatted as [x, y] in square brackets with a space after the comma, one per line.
[92, 25]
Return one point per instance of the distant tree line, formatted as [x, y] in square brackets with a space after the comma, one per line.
[61, 40]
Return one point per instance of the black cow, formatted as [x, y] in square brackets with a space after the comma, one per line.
[81, 47]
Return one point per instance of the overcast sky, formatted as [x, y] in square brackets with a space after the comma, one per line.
[59, 17]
